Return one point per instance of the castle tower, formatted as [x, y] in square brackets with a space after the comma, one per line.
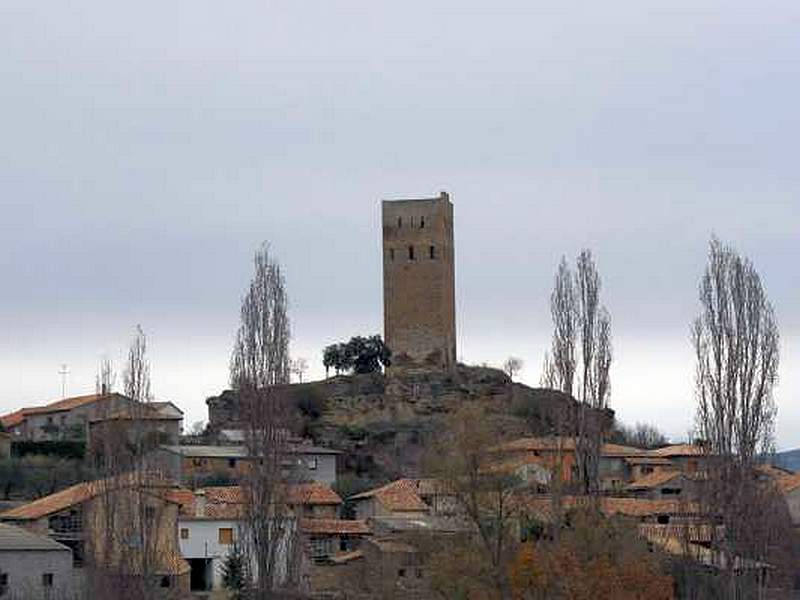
[419, 282]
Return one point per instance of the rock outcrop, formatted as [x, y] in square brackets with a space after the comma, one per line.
[382, 422]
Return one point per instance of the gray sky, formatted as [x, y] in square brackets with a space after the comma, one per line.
[148, 148]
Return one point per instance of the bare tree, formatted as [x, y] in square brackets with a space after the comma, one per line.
[549, 376]
[642, 435]
[259, 362]
[106, 377]
[581, 358]
[129, 552]
[484, 504]
[735, 339]
[260, 356]
[595, 363]
[563, 308]
[299, 366]
[512, 366]
[136, 377]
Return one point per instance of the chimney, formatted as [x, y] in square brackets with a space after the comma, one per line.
[444, 195]
[199, 503]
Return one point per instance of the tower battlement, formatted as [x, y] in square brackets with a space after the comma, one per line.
[419, 282]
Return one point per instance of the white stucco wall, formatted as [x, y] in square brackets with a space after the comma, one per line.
[203, 542]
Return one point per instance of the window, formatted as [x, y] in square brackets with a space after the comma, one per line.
[197, 462]
[419, 573]
[232, 463]
[225, 536]
[399, 221]
[422, 223]
[401, 572]
[391, 253]
[411, 253]
[165, 581]
[3, 582]
[184, 534]
[432, 250]
[47, 579]
[149, 513]
[311, 463]
[663, 519]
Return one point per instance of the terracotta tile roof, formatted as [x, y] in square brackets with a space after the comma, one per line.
[53, 503]
[565, 443]
[230, 494]
[427, 486]
[227, 502]
[68, 403]
[397, 496]
[788, 483]
[13, 419]
[541, 506]
[774, 471]
[149, 411]
[654, 479]
[648, 460]
[392, 546]
[334, 527]
[346, 557]
[312, 493]
[677, 450]
[640, 507]
[623, 451]
[71, 496]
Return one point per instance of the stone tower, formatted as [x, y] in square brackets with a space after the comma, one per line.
[419, 312]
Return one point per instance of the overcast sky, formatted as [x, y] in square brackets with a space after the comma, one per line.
[148, 148]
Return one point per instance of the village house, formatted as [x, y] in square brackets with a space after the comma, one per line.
[34, 567]
[134, 430]
[69, 419]
[557, 455]
[380, 568]
[639, 466]
[195, 465]
[789, 486]
[664, 485]
[103, 523]
[210, 522]
[396, 499]
[636, 510]
[689, 458]
[62, 419]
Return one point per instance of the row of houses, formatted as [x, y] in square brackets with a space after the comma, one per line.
[374, 552]
[97, 416]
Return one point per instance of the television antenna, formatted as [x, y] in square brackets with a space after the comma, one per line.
[64, 372]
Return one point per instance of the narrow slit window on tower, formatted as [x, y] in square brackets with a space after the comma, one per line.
[432, 250]
[411, 253]
[422, 222]
[391, 253]
[399, 221]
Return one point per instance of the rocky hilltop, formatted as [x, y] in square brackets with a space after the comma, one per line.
[381, 422]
